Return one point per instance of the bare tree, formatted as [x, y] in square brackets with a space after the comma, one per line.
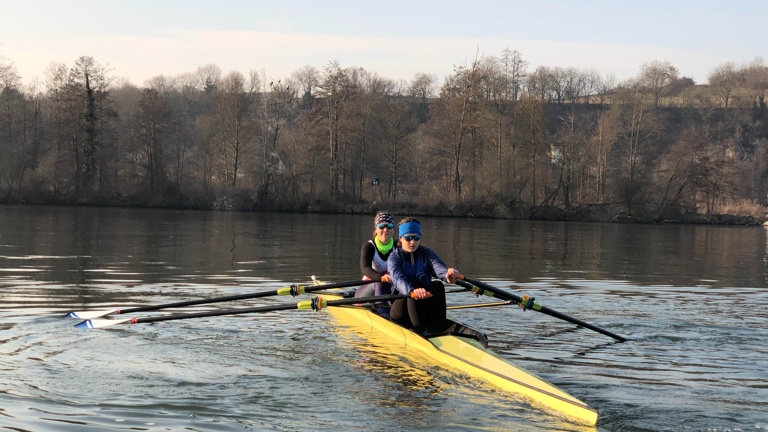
[575, 84]
[591, 85]
[603, 139]
[337, 89]
[185, 82]
[57, 168]
[398, 124]
[232, 109]
[366, 122]
[568, 157]
[422, 87]
[756, 80]
[20, 131]
[278, 114]
[558, 84]
[161, 83]
[208, 77]
[151, 126]
[724, 80]
[308, 78]
[654, 76]
[539, 83]
[90, 76]
[533, 142]
[514, 70]
[636, 144]
[78, 97]
[459, 114]
[603, 86]
[499, 88]
[689, 164]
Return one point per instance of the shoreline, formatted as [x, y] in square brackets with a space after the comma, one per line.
[593, 213]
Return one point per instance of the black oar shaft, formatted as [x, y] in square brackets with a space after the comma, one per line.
[579, 322]
[197, 302]
[298, 289]
[306, 304]
[213, 313]
[504, 295]
[480, 305]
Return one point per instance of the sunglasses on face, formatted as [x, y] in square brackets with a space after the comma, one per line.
[411, 237]
[385, 226]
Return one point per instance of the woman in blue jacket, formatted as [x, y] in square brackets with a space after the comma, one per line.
[412, 267]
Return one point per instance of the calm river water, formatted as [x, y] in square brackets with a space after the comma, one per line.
[693, 300]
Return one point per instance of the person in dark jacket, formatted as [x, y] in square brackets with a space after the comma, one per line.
[411, 268]
[373, 260]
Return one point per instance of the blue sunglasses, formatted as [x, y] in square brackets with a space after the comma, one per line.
[411, 237]
[385, 226]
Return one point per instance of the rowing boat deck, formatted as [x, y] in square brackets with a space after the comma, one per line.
[465, 350]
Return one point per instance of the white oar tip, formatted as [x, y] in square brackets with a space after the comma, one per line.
[87, 324]
[99, 323]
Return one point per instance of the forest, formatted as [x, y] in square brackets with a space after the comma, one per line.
[493, 139]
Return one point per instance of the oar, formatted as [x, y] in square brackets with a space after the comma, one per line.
[316, 303]
[529, 303]
[478, 305]
[292, 290]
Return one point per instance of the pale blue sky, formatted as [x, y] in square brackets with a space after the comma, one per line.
[140, 39]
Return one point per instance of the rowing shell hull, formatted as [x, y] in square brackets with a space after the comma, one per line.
[468, 356]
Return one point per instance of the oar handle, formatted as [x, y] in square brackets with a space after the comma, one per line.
[504, 295]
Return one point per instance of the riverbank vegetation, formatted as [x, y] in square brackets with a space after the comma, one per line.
[494, 139]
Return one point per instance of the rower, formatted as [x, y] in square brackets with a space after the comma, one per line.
[411, 267]
[373, 260]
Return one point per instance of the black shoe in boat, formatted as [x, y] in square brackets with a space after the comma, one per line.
[433, 332]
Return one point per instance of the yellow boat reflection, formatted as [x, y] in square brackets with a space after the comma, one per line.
[464, 350]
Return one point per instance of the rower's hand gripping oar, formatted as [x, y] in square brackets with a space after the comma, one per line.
[526, 302]
[292, 290]
[316, 304]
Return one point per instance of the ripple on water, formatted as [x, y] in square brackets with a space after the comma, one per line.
[696, 354]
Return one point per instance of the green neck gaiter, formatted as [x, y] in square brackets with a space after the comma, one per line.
[383, 248]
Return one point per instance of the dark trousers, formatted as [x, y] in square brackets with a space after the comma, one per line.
[376, 289]
[424, 314]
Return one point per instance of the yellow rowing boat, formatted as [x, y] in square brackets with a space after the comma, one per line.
[464, 349]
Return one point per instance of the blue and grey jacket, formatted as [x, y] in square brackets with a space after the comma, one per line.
[414, 270]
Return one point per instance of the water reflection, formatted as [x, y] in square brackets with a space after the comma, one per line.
[675, 255]
[692, 300]
[407, 381]
[68, 245]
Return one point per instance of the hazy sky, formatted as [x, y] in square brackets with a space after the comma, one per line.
[140, 39]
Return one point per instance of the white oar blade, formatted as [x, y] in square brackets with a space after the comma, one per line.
[100, 323]
[90, 314]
